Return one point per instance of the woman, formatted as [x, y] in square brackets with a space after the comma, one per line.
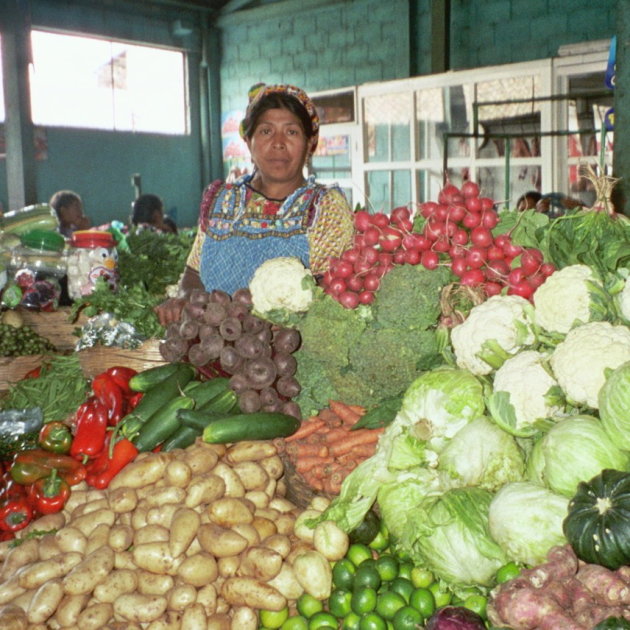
[68, 206]
[147, 211]
[274, 211]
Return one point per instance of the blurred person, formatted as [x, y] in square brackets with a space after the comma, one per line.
[147, 211]
[68, 206]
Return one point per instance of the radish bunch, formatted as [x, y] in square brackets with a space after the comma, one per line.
[457, 232]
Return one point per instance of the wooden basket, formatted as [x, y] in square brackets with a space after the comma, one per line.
[298, 491]
[54, 326]
[96, 359]
[13, 369]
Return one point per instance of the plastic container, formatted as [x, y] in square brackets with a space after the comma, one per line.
[91, 255]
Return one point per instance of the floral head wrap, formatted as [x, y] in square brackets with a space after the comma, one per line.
[260, 90]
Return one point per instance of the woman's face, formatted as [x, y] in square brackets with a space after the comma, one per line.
[278, 146]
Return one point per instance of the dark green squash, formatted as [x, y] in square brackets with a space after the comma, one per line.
[613, 623]
[596, 525]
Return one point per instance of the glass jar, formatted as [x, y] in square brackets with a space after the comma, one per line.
[91, 255]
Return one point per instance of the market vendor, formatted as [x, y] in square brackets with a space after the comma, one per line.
[68, 207]
[274, 211]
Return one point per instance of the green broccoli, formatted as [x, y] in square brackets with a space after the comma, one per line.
[409, 297]
[316, 387]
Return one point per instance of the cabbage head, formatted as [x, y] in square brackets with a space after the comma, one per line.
[451, 537]
[526, 520]
[614, 403]
[575, 449]
[481, 454]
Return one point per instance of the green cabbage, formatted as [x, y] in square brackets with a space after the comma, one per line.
[575, 449]
[526, 520]
[449, 534]
[481, 454]
[614, 402]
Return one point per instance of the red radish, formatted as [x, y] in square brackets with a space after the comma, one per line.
[481, 236]
[471, 220]
[371, 282]
[547, 269]
[369, 254]
[531, 260]
[459, 266]
[400, 214]
[476, 257]
[427, 209]
[457, 213]
[348, 299]
[457, 251]
[524, 288]
[460, 237]
[489, 219]
[536, 279]
[442, 212]
[515, 276]
[343, 269]
[512, 250]
[380, 219]
[470, 189]
[399, 257]
[351, 254]
[497, 270]
[391, 239]
[355, 283]
[406, 225]
[500, 240]
[472, 277]
[487, 203]
[413, 256]
[473, 204]
[386, 258]
[366, 297]
[492, 288]
[371, 235]
[448, 194]
[441, 244]
[495, 252]
[362, 220]
[429, 259]
[337, 286]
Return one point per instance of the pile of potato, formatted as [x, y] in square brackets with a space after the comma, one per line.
[194, 538]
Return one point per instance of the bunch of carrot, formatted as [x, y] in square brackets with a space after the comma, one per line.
[324, 450]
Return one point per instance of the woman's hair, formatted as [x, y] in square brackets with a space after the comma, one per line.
[62, 199]
[278, 100]
[144, 208]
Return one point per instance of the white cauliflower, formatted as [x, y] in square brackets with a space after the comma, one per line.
[521, 391]
[493, 330]
[568, 297]
[280, 285]
[579, 361]
[623, 300]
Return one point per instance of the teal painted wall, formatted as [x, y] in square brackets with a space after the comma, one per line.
[316, 44]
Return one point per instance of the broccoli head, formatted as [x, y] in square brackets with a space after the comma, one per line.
[316, 388]
[409, 297]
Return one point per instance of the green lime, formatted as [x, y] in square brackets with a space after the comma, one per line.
[343, 574]
[363, 600]
[322, 620]
[442, 596]
[477, 603]
[507, 572]
[389, 603]
[405, 569]
[295, 623]
[381, 541]
[423, 601]
[387, 567]
[357, 553]
[339, 603]
[307, 605]
[372, 621]
[421, 577]
[272, 618]
[408, 618]
[366, 530]
[351, 621]
[367, 575]
[402, 586]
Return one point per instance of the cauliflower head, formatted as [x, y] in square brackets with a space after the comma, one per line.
[568, 297]
[579, 362]
[526, 385]
[493, 331]
[279, 284]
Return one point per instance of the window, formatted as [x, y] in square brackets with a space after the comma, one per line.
[99, 84]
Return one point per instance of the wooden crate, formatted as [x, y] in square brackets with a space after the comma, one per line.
[13, 369]
[54, 326]
[96, 359]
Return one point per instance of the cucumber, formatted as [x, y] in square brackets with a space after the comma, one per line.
[36, 217]
[148, 379]
[250, 426]
[215, 409]
[198, 420]
[207, 391]
[161, 424]
[181, 438]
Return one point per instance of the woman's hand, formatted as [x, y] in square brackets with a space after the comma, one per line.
[170, 311]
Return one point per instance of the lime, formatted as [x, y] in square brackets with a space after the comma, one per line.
[372, 621]
[507, 572]
[402, 586]
[321, 620]
[407, 618]
[421, 577]
[389, 603]
[295, 623]
[387, 567]
[405, 569]
[423, 601]
[367, 575]
[339, 603]
[381, 540]
[363, 600]
[272, 618]
[477, 603]
[351, 621]
[442, 596]
[307, 605]
[366, 530]
[343, 574]
[357, 553]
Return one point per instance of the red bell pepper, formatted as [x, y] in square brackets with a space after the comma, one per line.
[29, 466]
[121, 376]
[55, 437]
[110, 395]
[102, 469]
[49, 494]
[91, 427]
[15, 514]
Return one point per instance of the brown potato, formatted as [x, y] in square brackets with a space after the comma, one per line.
[247, 530]
[280, 543]
[46, 523]
[264, 527]
[34, 575]
[167, 494]
[10, 589]
[183, 530]
[220, 542]
[261, 563]
[258, 497]
[118, 582]
[200, 459]
[98, 537]
[87, 507]
[282, 505]
[181, 596]
[92, 570]
[228, 566]
[204, 489]
[95, 617]
[207, 597]
[48, 547]
[233, 484]
[71, 539]
[162, 515]
[244, 618]
[250, 450]
[194, 617]
[14, 618]
[273, 466]
[243, 591]
[120, 537]
[45, 601]
[198, 570]
[285, 523]
[151, 533]
[287, 583]
[20, 556]
[141, 472]
[177, 473]
[140, 608]
[154, 584]
[69, 608]
[124, 560]
[123, 500]
[87, 523]
[219, 621]
[252, 475]
[230, 511]
[156, 557]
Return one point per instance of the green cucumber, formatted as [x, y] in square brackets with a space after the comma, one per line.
[250, 426]
[181, 438]
[148, 379]
[161, 424]
[207, 391]
[215, 409]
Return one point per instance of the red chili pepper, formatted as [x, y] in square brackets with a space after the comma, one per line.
[34, 373]
[110, 395]
[55, 437]
[105, 467]
[133, 400]
[31, 465]
[91, 427]
[15, 514]
[121, 376]
[49, 494]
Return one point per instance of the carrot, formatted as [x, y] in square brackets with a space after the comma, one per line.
[334, 482]
[358, 409]
[308, 427]
[301, 449]
[305, 464]
[348, 416]
[363, 451]
[330, 417]
[334, 435]
[367, 436]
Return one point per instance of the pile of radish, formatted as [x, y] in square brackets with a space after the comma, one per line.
[456, 231]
